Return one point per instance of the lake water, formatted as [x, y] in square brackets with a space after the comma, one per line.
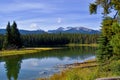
[42, 64]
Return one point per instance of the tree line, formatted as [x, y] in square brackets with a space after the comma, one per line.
[14, 40]
[36, 40]
[39, 40]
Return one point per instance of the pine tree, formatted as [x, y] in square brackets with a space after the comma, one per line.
[115, 41]
[108, 6]
[105, 47]
[12, 38]
[16, 37]
[105, 51]
[7, 39]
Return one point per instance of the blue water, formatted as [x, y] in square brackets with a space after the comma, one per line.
[42, 64]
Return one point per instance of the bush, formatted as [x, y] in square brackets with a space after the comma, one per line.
[115, 67]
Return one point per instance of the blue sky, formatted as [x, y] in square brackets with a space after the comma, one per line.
[48, 14]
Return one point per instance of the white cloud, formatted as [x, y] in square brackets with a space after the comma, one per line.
[34, 26]
[35, 63]
[59, 20]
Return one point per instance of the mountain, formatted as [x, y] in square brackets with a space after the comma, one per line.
[32, 32]
[3, 31]
[59, 30]
[74, 30]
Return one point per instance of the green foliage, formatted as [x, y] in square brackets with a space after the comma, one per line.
[116, 28]
[104, 51]
[1, 41]
[36, 40]
[15, 34]
[107, 5]
[7, 40]
[116, 4]
[115, 41]
[13, 65]
[115, 67]
[113, 70]
[107, 27]
[12, 37]
[93, 8]
[8, 34]
[109, 42]
[73, 76]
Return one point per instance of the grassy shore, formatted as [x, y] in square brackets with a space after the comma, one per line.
[23, 51]
[93, 45]
[88, 70]
[35, 50]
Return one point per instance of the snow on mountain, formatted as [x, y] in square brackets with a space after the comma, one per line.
[74, 30]
[58, 30]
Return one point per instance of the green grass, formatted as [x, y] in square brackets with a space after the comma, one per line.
[23, 51]
[35, 50]
[92, 45]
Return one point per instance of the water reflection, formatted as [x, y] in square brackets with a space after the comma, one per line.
[32, 65]
[13, 65]
[72, 52]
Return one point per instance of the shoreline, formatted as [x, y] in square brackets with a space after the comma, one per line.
[67, 67]
[79, 64]
[87, 70]
[86, 45]
[6, 53]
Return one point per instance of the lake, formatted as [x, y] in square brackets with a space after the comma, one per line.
[42, 64]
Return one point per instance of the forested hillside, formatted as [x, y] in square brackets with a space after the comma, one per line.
[37, 40]
[58, 39]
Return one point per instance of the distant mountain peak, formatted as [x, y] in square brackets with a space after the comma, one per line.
[74, 30]
[58, 30]
[3, 31]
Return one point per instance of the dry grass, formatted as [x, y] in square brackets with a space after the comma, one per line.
[93, 45]
[84, 71]
[73, 71]
[23, 51]
[86, 64]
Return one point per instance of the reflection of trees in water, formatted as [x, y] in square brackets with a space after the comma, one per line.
[83, 52]
[13, 65]
[72, 52]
